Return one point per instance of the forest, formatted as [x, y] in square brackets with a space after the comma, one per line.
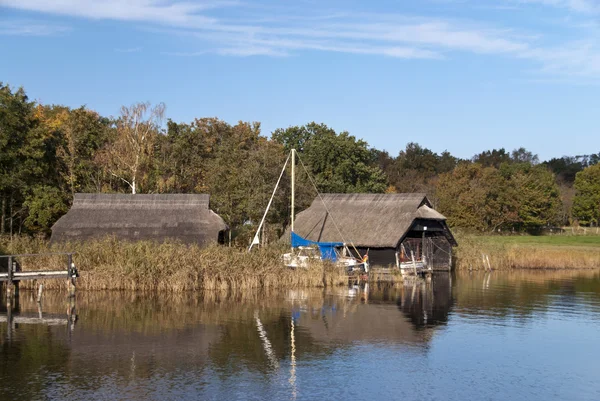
[50, 152]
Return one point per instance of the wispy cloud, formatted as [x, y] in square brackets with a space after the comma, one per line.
[29, 28]
[576, 59]
[277, 31]
[580, 6]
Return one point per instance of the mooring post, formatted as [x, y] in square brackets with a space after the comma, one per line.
[39, 295]
[71, 278]
[71, 284]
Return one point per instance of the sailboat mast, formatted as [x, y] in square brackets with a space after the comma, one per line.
[293, 184]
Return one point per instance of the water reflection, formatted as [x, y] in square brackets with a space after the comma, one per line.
[271, 344]
[402, 314]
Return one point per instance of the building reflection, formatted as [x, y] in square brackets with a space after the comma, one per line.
[132, 336]
[404, 313]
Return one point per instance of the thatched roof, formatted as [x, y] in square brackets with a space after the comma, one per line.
[365, 220]
[185, 217]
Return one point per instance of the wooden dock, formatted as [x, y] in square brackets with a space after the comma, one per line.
[13, 273]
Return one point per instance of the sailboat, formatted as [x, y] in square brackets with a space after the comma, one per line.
[305, 252]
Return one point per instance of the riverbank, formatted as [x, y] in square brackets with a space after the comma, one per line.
[481, 252]
[110, 264]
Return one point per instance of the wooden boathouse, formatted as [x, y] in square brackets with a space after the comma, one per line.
[183, 217]
[401, 230]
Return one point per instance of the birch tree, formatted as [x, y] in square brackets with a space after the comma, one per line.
[132, 147]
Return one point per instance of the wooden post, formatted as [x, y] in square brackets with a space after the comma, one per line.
[9, 317]
[71, 315]
[412, 255]
[423, 257]
[16, 283]
[70, 279]
[70, 265]
[9, 282]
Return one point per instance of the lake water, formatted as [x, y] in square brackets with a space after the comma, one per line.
[497, 336]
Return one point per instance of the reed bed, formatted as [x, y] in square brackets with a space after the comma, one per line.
[479, 253]
[110, 264]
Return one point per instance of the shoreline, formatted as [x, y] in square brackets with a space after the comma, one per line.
[174, 267]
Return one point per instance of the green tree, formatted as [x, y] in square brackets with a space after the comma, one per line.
[416, 169]
[185, 153]
[522, 155]
[296, 137]
[492, 158]
[338, 162]
[586, 204]
[45, 205]
[225, 174]
[22, 154]
[538, 196]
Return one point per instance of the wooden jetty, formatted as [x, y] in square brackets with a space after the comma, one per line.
[13, 274]
[14, 318]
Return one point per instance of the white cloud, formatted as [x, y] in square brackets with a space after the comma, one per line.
[580, 6]
[29, 28]
[176, 13]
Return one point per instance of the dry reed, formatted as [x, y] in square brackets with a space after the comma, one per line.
[110, 264]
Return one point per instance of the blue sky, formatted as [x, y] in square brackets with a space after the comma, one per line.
[461, 75]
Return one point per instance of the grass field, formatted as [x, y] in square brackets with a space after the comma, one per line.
[546, 240]
[481, 252]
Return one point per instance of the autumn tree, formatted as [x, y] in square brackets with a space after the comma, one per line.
[477, 197]
[517, 196]
[129, 152]
[84, 132]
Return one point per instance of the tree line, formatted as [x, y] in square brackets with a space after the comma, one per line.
[50, 152]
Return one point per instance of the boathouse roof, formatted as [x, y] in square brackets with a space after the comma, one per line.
[368, 220]
[183, 217]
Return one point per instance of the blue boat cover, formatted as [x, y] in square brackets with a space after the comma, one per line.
[327, 248]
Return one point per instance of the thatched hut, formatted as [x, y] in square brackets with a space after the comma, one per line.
[395, 229]
[183, 217]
